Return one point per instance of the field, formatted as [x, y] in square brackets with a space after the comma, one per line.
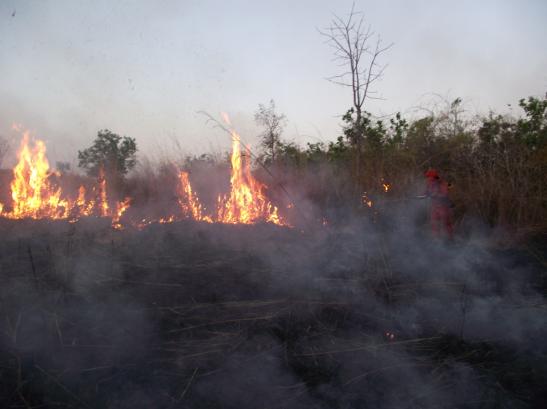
[358, 313]
[273, 205]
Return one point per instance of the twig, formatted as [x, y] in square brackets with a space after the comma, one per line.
[187, 385]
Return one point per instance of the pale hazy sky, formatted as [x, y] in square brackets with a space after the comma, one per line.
[144, 68]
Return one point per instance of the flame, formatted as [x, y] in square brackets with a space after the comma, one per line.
[121, 207]
[189, 201]
[34, 195]
[103, 200]
[386, 186]
[246, 202]
[85, 208]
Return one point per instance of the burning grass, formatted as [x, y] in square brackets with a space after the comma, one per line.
[215, 303]
[36, 195]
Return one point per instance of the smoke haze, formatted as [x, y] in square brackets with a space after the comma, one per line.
[144, 69]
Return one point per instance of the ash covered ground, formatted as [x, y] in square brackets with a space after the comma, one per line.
[197, 315]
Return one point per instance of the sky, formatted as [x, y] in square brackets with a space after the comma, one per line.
[147, 68]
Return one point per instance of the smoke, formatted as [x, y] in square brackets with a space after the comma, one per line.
[367, 311]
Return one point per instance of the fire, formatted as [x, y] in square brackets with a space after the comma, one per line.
[85, 208]
[121, 207]
[189, 201]
[246, 202]
[34, 196]
[386, 186]
[103, 201]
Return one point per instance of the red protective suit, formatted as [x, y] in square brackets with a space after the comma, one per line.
[441, 205]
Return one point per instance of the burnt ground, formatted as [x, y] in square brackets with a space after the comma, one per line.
[193, 315]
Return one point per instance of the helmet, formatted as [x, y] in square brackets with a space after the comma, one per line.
[432, 174]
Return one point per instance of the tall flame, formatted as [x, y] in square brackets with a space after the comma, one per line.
[103, 200]
[189, 201]
[34, 196]
[246, 202]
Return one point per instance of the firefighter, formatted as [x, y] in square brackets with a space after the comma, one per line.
[441, 205]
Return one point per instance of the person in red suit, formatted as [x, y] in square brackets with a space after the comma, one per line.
[441, 205]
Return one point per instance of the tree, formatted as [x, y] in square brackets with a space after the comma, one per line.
[533, 127]
[273, 125]
[114, 154]
[357, 50]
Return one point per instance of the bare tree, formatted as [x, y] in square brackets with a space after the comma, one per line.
[357, 50]
[273, 124]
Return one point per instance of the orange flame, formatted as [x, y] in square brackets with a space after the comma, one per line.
[121, 207]
[34, 196]
[246, 202]
[103, 200]
[189, 201]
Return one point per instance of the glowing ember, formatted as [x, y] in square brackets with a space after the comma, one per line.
[366, 200]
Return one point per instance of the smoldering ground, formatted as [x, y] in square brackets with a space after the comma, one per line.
[364, 312]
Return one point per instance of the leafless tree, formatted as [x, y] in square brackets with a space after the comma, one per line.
[357, 50]
[273, 124]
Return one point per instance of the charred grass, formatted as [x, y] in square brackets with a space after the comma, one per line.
[193, 315]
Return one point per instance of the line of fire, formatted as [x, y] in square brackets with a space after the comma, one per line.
[36, 194]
